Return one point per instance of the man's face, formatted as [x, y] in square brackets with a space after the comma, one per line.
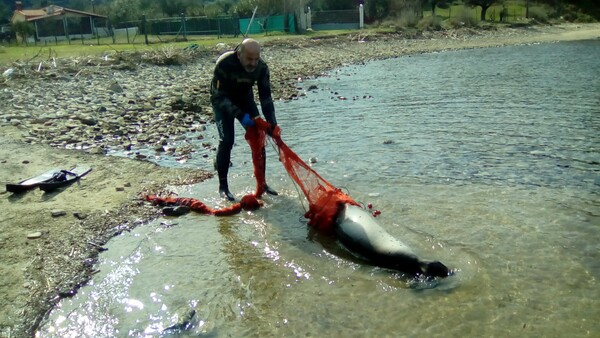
[249, 59]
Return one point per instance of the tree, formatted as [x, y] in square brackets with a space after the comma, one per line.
[438, 3]
[172, 7]
[484, 4]
[196, 8]
[39, 4]
[81, 5]
[213, 10]
[331, 5]
[4, 13]
[378, 9]
[244, 8]
[23, 29]
[125, 10]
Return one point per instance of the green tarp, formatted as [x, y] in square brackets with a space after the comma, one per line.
[276, 23]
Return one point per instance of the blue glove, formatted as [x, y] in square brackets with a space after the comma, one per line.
[247, 121]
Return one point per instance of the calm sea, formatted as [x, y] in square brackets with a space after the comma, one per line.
[487, 160]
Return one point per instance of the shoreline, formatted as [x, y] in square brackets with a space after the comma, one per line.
[41, 271]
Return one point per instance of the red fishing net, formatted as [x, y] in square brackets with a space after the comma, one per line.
[248, 202]
[325, 201]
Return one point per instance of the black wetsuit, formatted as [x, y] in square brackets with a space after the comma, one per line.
[231, 97]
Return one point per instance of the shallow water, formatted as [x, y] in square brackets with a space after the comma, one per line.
[486, 159]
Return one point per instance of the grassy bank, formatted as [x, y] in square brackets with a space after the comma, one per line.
[92, 47]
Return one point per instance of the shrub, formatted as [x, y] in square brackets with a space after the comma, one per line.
[23, 29]
[584, 18]
[444, 5]
[408, 19]
[573, 14]
[464, 18]
[432, 23]
[539, 14]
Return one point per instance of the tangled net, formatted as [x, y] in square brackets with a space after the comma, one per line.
[248, 202]
[325, 200]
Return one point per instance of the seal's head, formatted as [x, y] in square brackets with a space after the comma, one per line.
[436, 269]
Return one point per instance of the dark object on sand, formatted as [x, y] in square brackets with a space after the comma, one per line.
[31, 182]
[64, 178]
[177, 210]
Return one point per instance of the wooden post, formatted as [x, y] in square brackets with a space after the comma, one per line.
[144, 27]
[66, 30]
[183, 26]
[37, 34]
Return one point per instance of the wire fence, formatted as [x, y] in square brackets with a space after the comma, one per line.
[99, 30]
[176, 29]
[87, 30]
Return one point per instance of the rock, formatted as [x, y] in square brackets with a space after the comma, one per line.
[96, 150]
[87, 120]
[80, 215]
[9, 72]
[58, 213]
[115, 87]
[34, 235]
[182, 320]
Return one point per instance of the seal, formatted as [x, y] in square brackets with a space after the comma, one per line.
[361, 234]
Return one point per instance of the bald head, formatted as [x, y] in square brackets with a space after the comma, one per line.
[249, 54]
[250, 45]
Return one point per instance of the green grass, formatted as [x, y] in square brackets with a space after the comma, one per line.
[31, 52]
[90, 47]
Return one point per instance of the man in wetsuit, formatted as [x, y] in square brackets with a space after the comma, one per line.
[232, 98]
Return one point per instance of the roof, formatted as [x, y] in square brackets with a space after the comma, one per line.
[52, 11]
[31, 13]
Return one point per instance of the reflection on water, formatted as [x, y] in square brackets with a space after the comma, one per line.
[486, 160]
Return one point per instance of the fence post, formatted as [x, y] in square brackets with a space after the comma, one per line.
[112, 33]
[361, 13]
[96, 32]
[66, 28]
[92, 27]
[183, 26]
[219, 28]
[144, 28]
